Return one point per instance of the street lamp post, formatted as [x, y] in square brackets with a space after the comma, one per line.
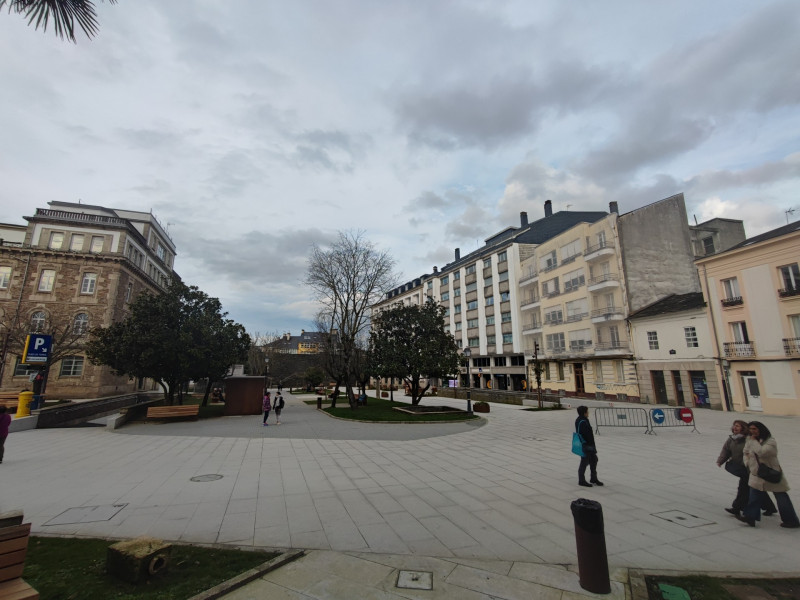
[467, 354]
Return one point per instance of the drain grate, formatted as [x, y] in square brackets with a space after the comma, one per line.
[86, 514]
[206, 478]
[681, 518]
[415, 580]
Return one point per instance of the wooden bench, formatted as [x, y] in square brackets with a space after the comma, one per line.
[13, 547]
[188, 411]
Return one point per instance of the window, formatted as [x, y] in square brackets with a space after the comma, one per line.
[487, 263]
[794, 324]
[505, 317]
[490, 321]
[553, 316]
[503, 256]
[490, 301]
[458, 326]
[456, 275]
[430, 285]
[550, 287]
[790, 276]
[97, 244]
[472, 322]
[471, 287]
[580, 340]
[508, 338]
[652, 339]
[560, 369]
[517, 361]
[739, 331]
[708, 245]
[81, 324]
[56, 241]
[457, 292]
[470, 270]
[488, 281]
[577, 309]
[128, 292]
[598, 371]
[502, 276]
[46, 280]
[472, 305]
[5, 277]
[480, 362]
[571, 250]
[504, 296]
[21, 370]
[554, 342]
[548, 261]
[473, 342]
[690, 333]
[619, 369]
[161, 252]
[458, 309]
[499, 361]
[71, 366]
[76, 242]
[446, 312]
[574, 280]
[38, 321]
[447, 328]
[731, 288]
[445, 296]
[444, 280]
[613, 333]
[491, 340]
[89, 283]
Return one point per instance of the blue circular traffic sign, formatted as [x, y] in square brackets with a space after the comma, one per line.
[658, 416]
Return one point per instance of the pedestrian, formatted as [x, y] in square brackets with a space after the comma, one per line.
[279, 404]
[732, 456]
[267, 406]
[589, 458]
[280, 387]
[5, 421]
[762, 449]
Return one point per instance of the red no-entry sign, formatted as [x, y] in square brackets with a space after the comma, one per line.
[686, 415]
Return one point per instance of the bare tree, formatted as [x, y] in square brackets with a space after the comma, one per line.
[347, 279]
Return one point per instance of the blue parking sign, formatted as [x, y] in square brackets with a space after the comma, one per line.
[37, 349]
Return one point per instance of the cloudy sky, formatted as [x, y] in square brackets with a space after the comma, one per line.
[254, 128]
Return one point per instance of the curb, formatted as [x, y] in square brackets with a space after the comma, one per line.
[234, 583]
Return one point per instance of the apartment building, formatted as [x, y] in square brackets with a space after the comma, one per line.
[308, 342]
[481, 295]
[73, 267]
[753, 292]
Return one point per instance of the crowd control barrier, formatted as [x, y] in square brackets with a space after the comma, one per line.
[621, 417]
[672, 417]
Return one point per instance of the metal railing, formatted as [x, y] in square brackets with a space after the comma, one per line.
[789, 291]
[739, 349]
[531, 273]
[599, 246]
[732, 301]
[791, 346]
[608, 310]
[618, 345]
[621, 417]
[603, 278]
[576, 317]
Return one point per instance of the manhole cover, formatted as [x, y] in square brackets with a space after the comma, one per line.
[206, 478]
[415, 580]
[681, 518]
[86, 514]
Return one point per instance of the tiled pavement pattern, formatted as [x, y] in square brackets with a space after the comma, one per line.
[498, 492]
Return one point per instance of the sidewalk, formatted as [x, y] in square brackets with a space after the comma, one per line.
[472, 496]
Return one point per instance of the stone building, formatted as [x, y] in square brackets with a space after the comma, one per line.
[77, 266]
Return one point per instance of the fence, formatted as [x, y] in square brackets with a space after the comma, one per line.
[672, 417]
[621, 417]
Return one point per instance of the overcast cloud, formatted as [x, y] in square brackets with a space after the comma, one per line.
[255, 129]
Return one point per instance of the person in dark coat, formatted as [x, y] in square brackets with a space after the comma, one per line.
[733, 458]
[589, 458]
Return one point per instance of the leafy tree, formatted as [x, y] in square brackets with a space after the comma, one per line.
[347, 279]
[173, 337]
[63, 13]
[314, 376]
[411, 342]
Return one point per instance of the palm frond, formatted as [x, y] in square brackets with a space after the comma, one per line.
[63, 14]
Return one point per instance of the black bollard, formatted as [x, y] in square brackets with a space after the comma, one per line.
[590, 540]
[319, 403]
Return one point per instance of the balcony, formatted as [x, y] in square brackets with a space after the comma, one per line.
[532, 327]
[569, 259]
[598, 251]
[530, 302]
[789, 292]
[550, 267]
[558, 320]
[791, 346]
[528, 276]
[616, 347]
[739, 349]
[573, 318]
[608, 313]
[602, 282]
[580, 347]
[733, 301]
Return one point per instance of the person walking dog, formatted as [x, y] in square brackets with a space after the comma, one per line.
[589, 458]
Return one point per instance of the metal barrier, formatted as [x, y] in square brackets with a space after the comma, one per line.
[621, 417]
[672, 417]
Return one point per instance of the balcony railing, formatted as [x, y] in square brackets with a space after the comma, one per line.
[576, 317]
[607, 312]
[616, 345]
[530, 300]
[603, 278]
[733, 301]
[569, 259]
[791, 346]
[789, 291]
[553, 320]
[531, 273]
[739, 349]
[550, 267]
[600, 246]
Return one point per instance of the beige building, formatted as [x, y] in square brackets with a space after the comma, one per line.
[74, 267]
[753, 292]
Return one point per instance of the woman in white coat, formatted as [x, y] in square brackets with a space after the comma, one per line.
[761, 448]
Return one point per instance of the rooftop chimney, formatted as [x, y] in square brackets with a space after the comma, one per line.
[435, 269]
[458, 254]
[523, 219]
[548, 208]
[612, 207]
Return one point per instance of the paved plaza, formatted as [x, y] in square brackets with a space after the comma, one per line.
[461, 497]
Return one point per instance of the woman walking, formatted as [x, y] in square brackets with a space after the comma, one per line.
[762, 449]
[732, 456]
[267, 406]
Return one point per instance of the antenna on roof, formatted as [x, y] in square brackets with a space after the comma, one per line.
[568, 205]
[789, 212]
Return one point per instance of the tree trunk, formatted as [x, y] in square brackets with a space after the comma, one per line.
[208, 391]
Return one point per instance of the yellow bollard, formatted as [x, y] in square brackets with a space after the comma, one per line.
[24, 406]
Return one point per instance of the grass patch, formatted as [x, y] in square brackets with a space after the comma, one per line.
[75, 569]
[380, 410]
[702, 587]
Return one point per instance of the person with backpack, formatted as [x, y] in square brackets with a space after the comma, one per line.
[589, 458]
[279, 404]
[267, 406]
